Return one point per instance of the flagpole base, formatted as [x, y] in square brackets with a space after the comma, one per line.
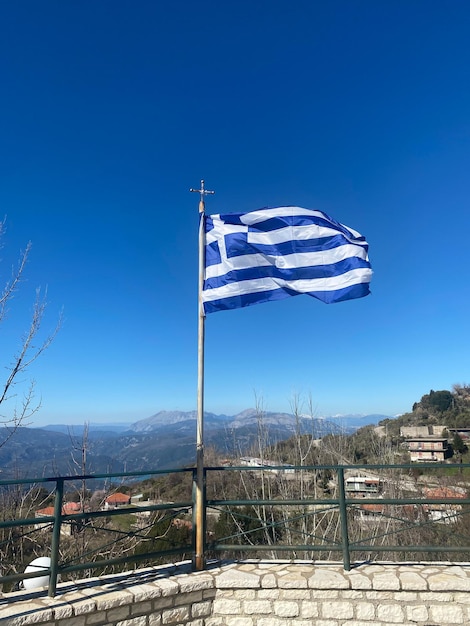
[199, 563]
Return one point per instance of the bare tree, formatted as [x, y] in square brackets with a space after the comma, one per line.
[16, 408]
[18, 545]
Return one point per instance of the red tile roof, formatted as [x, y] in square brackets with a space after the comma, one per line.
[443, 492]
[373, 508]
[69, 508]
[118, 498]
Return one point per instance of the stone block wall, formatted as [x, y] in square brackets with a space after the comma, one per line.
[254, 593]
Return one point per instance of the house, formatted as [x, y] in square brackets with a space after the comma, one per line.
[116, 501]
[138, 502]
[266, 464]
[426, 443]
[446, 513]
[383, 513]
[370, 512]
[425, 449]
[363, 486]
[68, 527]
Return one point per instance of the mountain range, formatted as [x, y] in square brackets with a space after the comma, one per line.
[163, 440]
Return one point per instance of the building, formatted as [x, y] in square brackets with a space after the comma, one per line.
[426, 443]
[423, 431]
[446, 513]
[370, 513]
[363, 486]
[425, 449]
[69, 526]
[266, 464]
[116, 501]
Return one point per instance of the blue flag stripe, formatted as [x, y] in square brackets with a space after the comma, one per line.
[299, 285]
[295, 273]
[277, 222]
[238, 245]
[329, 297]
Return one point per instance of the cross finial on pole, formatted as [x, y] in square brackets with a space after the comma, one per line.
[203, 192]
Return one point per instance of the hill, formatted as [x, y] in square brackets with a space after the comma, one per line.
[444, 407]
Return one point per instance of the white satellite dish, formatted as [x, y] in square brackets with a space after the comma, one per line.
[38, 565]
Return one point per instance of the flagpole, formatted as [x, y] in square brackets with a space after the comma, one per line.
[199, 504]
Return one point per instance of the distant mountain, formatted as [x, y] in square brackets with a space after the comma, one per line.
[162, 441]
[177, 419]
[94, 429]
[354, 421]
[253, 417]
[249, 418]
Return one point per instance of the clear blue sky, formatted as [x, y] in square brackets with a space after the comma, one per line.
[111, 110]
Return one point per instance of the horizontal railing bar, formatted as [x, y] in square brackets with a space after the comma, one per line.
[348, 501]
[123, 559]
[13, 578]
[212, 503]
[332, 548]
[128, 511]
[267, 548]
[96, 564]
[371, 548]
[49, 479]
[271, 502]
[74, 517]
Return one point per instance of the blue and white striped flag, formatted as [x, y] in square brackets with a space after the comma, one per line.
[271, 254]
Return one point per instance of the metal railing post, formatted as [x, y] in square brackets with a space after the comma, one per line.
[194, 517]
[55, 544]
[343, 514]
[204, 516]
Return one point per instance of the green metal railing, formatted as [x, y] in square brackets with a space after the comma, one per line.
[283, 510]
[57, 521]
[404, 517]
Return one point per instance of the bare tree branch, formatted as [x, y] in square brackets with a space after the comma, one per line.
[32, 345]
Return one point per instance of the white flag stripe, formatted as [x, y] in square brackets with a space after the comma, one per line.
[254, 217]
[333, 283]
[289, 261]
[291, 233]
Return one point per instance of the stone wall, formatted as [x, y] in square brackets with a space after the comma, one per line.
[254, 593]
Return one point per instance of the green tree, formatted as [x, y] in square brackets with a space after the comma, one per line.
[437, 401]
[458, 444]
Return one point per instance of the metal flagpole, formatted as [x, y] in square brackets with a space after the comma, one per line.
[199, 516]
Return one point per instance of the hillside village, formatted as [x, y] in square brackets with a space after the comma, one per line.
[435, 431]
[137, 517]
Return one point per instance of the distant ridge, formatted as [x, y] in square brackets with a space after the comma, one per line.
[348, 422]
[168, 418]
[163, 440]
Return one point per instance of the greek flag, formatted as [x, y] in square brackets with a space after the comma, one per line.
[274, 253]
